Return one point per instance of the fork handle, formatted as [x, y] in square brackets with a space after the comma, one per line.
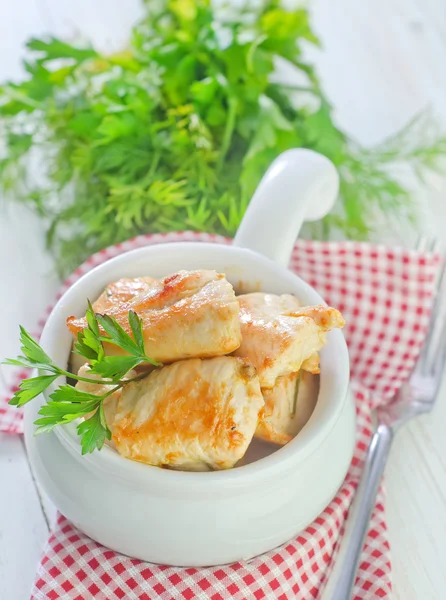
[342, 578]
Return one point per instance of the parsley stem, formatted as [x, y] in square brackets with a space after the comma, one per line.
[86, 379]
[120, 383]
[109, 393]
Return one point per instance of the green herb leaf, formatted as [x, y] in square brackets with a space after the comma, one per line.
[70, 394]
[119, 337]
[85, 347]
[116, 367]
[136, 327]
[88, 343]
[33, 352]
[44, 425]
[108, 433]
[93, 432]
[116, 335]
[61, 413]
[30, 388]
[90, 340]
[23, 361]
[92, 321]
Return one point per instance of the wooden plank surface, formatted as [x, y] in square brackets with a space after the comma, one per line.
[382, 63]
[23, 529]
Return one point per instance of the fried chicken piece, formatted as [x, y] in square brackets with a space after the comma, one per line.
[188, 314]
[109, 403]
[191, 415]
[312, 364]
[288, 406]
[278, 335]
[122, 291]
[117, 293]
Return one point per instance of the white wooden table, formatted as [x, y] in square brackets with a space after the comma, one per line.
[382, 63]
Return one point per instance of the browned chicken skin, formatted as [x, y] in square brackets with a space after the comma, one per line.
[188, 314]
[279, 337]
[122, 291]
[193, 414]
[115, 294]
[110, 403]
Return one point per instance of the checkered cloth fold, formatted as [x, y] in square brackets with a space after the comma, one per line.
[385, 295]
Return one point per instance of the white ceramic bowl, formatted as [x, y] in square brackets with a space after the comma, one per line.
[199, 519]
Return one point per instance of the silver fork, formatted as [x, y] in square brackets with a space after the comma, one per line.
[415, 397]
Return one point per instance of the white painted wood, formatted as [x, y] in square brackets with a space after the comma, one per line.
[27, 287]
[27, 275]
[416, 505]
[382, 62]
[23, 530]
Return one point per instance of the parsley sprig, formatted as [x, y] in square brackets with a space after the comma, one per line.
[67, 403]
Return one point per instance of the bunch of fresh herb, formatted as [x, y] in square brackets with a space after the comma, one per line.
[176, 132]
[67, 403]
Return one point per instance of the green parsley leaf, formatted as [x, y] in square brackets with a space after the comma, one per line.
[93, 432]
[92, 320]
[70, 394]
[136, 327]
[30, 388]
[45, 425]
[63, 414]
[116, 367]
[116, 335]
[23, 361]
[88, 341]
[33, 352]
[85, 347]
[108, 433]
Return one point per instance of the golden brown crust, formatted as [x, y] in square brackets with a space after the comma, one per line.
[193, 412]
[325, 317]
[188, 314]
[122, 291]
[281, 337]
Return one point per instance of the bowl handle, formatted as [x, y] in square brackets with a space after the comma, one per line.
[300, 185]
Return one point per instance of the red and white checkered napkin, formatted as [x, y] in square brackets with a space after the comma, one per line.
[385, 296]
